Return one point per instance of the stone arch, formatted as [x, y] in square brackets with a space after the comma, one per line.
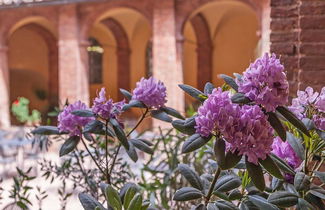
[38, 60]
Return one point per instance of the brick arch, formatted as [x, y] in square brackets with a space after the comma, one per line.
[91, 13]
[51, 42]
[123, 53]
[204, 50]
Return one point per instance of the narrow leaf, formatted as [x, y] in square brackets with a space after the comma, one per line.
[282, 165]
[227, 183]
[277, 125]
[320, 175]
[271, 167]
[160, 115]
[113, 198]
[46, 130]
[132, 153]
[296, 145]
[195, 93]
[191, 176]
[119, 133]
[141, 146]
[187, 193]
[301, 181]
[240, 98]
[136, 203]
[261, 202]
[193, 143]
[219, 152]
[126, 93]
[130, 193]
[256, 174]
[208, 88]
[83, 113]
[283, 199]
[69, 145]
[180, 126]
[88, 202]
[225, 205]
[231, 160]
[230, 81]
[172, 112]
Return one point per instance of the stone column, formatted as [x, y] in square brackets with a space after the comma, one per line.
[73, 59]
[4, 88]
[167, 54]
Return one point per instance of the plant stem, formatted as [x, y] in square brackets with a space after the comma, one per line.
[119, 147]
[106, 153]
[215, 178]
[92, 157]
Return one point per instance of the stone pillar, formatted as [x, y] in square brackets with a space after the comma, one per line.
[167, 52]
[4, 88]
[73, 59]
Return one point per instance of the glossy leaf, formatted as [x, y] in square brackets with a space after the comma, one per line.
[261, 202]
[227, 183]
[230, 81]
[225, 205]
[231, 160]
[301, 181]
[310, 125]
[283, 199]
[136, 203]
[133, 103]
[282, 165]
[132, 152]
[141, 146]
[46, 130]
[293, 119]
[195, 93]
[240, 98]
[219, 151]
[194, 142]
[304, 205]
[235, 195]
[180, 126]
[296, 145]
[187, 193]
[320, 175]
[69, 145]
[256, 174]
[172, 112]
[191, 176]
[83, 113]
[113, 198]
[208, 88]
[271, 167]
[126, 93]
[88, 202]
[161, 115]
[317, 191]
[119, 133]
[277, 125]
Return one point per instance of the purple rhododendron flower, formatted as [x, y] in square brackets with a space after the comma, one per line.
[106, 108]
[284, 151]
[150, 92]
[310, 100]
[251, 134]
[245, 128]
[216, 113]
[68, 122]
[265, 82]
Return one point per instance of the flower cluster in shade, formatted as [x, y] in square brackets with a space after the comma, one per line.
[310, 104]
[265, 82]
[68, 122]
[150, 92]
[106, 108]
[245, 128]
[284, 151]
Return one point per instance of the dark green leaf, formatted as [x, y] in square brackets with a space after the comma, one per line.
[160, 115]
[277, 125]
[296, 145]
[271, 167]
[290, 188]
[304, 205]
[261, 202]
[172, 112]
[46, 130]
[293, 119]
[69, 145]
[126, 93]
[132, 153]
[180, 126]
[88, 202]
[310, 125]
[230, 81]
[282, 165]
[130, 193]
[191, 176]
[211, 206]
[256, 174]
[240, 98]
[97, 127]
[301, 181]
[221, 195]
[219, 152]
[141, 146]
[187, 193]
[125, 188]
[227, 183]
[194, 142]
[208, 88]
[315, 201]
[231, 160]
[317, 191]
[200, 207]
[235, 195]
[136, 203]
[113, 198]
[283, 199]
[83, 113]
[133, 103]
[225, 205]
[195, 93]
[238, 76]
[320, 175]
[119, 133]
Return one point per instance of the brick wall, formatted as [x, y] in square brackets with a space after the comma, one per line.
[298, 36]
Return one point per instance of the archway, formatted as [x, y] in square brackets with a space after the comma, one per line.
[125, 36]
[33, 65]
[220, 37]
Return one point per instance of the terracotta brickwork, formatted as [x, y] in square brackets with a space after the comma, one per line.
[298, 35]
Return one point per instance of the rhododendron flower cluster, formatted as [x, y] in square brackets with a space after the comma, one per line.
[265, 82]
[68, 122]
[106, 108]
[150, 92]
[310, 104]
[286, 152]
[245, 128]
